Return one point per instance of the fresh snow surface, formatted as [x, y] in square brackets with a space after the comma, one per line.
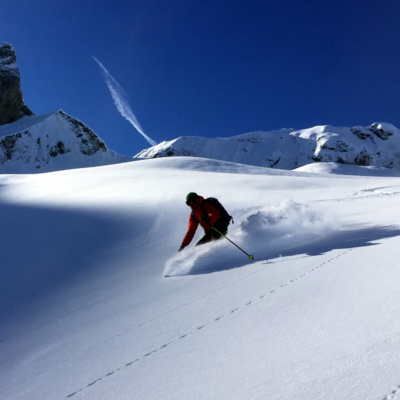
[335, 168]
[87, 313]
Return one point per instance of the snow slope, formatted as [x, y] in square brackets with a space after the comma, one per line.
[86, 312]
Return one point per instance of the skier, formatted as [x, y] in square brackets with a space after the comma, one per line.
[208, 213]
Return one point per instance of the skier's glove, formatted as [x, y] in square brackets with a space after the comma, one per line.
[181, 248]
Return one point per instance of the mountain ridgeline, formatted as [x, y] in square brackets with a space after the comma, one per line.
[55, 141]
[375, 145]
[41, 143]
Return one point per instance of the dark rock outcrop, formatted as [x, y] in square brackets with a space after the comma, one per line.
[42, 143]
[12, 105]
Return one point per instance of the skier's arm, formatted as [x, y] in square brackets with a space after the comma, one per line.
[192, 227]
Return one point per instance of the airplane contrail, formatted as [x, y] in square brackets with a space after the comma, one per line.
[120, 101]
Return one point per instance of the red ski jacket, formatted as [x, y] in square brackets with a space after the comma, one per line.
[210, 212]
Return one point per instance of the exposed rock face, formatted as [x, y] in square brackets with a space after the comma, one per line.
[12, 105]
[375, 145]
[51, 142]
[42, 143]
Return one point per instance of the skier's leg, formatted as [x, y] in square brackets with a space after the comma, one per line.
[211, 235]
[205, 239]
[221, 227]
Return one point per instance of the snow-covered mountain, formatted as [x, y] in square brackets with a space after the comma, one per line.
[51, 142]
[41, 143]
[375, 145]
[57, 141]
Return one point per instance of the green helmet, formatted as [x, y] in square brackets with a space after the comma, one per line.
[192, 197]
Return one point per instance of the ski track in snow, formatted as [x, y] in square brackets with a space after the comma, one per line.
[265, 220]
[203, 326]
[365, 194]
[394, 394]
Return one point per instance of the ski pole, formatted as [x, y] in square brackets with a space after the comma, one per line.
[226, 237]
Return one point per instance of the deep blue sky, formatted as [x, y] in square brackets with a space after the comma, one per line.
[208, 67]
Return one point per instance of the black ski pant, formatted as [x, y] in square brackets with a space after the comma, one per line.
[211, 234]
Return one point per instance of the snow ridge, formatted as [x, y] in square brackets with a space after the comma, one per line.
[374, 145]
[51, 142]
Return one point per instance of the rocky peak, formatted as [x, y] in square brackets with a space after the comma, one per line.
[375, 145]
[51, 142]
[12, 105]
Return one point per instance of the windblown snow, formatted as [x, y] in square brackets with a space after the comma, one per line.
[271, 230]
[96, 303]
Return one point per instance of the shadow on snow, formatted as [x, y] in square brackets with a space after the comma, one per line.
[225, 256]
